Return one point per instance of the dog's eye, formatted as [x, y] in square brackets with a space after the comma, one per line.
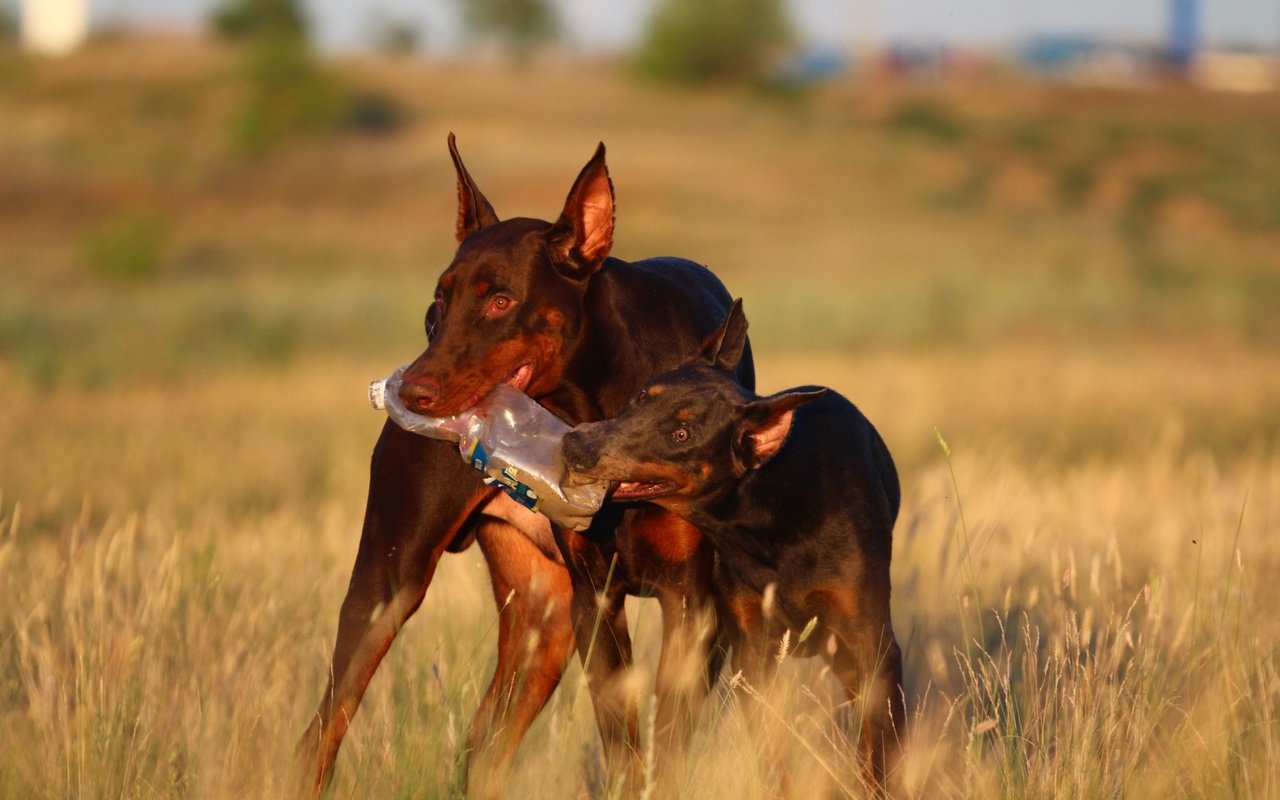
[642, 395]
[499, 304]
[680, 435]
[434, 312]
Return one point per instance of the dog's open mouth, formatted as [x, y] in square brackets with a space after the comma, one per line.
[640, 490]
[520, 376]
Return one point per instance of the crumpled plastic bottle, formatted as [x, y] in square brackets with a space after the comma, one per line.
[511, 439]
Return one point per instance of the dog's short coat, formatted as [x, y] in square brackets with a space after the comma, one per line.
[798, 494]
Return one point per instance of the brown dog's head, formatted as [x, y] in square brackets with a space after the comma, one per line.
[509, 308]
[690, 433]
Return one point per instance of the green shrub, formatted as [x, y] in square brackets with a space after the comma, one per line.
[374, 112]
[240, 20]
[8, 26]
[709, 41]
[287, 95]
[1074, 181]
[520, 26]
[129, 247]
[1149, 195]
[287, 92]
[395, 37]
[927, 120]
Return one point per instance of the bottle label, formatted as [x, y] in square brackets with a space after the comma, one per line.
[522, 493]
[475, 455]
[508, 479]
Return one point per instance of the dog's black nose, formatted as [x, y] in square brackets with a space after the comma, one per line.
[578, 452]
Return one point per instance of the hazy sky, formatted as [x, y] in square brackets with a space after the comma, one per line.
[603, 24]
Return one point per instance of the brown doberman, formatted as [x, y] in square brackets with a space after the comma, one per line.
[799, 495]
[544, 307]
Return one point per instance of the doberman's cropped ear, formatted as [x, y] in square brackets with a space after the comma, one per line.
[764, 426]
[723, 349]
[474, 211]
[583, 236]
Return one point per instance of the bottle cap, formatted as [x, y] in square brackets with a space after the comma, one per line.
[378, 394]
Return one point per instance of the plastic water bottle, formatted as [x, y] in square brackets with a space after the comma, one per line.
[511, 439]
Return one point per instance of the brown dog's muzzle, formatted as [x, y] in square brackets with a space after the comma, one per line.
[420, 393]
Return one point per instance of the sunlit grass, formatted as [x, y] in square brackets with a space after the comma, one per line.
[1112, 638]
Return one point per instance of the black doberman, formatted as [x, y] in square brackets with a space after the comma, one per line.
[798, 492]
[540, 305]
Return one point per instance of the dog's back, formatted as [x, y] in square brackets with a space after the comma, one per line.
[829, 495]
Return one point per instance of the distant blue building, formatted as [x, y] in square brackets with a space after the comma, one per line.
[1056, 54]
[1184, 32]
[814, 65]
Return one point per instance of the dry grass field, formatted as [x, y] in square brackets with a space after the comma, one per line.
[1060, 306]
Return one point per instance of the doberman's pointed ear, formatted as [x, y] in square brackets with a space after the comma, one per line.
[764, 426]
[723, 349]
[581, 239]
[474, 211]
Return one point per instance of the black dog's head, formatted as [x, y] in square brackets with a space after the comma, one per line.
[690, 433]
[510, 305]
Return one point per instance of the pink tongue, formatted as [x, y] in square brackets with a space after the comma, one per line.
[629, 488]
[520, 377]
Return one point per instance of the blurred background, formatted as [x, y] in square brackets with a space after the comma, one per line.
[1053, 224]
[1020, 201]
[1047, 232]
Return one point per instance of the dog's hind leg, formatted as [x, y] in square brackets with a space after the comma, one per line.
[868, 665]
